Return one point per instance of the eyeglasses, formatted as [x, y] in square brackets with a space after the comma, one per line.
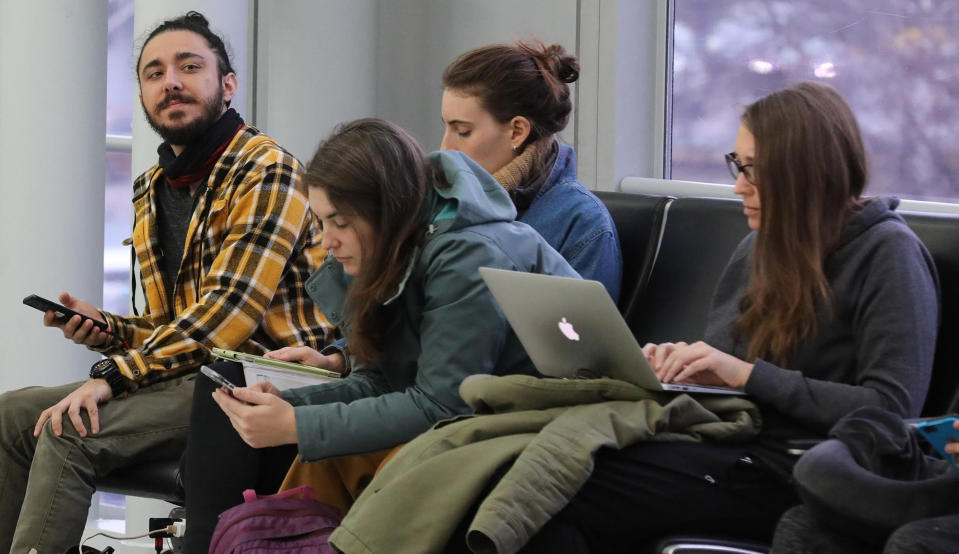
[735, 168]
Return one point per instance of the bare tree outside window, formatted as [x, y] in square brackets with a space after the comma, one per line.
[895, 61]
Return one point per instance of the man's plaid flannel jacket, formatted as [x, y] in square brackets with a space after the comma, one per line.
[251, 244]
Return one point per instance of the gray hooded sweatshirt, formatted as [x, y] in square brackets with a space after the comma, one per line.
[876, 348]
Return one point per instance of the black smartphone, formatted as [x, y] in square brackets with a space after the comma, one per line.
[62, 313]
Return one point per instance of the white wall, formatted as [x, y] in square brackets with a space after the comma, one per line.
[418, 39]
[52, 128]
[324, 62]
[316, 67]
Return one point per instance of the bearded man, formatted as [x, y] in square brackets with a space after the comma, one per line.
[224, 240]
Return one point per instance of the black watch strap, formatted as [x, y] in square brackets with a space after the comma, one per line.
[108, 370]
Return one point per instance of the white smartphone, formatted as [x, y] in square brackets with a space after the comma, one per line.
[217, 378]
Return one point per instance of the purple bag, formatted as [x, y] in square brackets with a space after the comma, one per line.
[290, 521]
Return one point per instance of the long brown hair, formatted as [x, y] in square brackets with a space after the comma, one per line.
[374, 170]
[810, 169]
[525, 79]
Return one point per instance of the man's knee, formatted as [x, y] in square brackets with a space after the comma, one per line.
[34, 398]
[20, 409]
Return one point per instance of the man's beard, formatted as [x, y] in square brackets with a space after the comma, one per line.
[185, 134]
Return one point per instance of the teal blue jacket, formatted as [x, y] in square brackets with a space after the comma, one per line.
[443, 323]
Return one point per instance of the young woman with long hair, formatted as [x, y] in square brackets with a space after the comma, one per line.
[405, 235]
[830, 304]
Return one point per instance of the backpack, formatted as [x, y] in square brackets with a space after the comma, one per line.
[290, 521]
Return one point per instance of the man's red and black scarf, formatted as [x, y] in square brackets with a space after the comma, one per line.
[198, 158]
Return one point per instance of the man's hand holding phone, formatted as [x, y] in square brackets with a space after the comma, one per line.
[81, 329]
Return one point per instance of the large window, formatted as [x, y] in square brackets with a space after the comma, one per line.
[107, 511]
[118, 211]
[895, 61]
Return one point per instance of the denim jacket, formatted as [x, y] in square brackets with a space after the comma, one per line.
[576, 223]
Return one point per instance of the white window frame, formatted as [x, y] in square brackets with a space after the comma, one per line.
[120, 143]
[674, 187]
[620, 110]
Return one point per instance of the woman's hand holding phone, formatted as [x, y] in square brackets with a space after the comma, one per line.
[260, 416]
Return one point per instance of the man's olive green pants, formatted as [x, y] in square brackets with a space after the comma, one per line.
[46, 482]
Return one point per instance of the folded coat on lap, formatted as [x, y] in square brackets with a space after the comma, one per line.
[549, 430]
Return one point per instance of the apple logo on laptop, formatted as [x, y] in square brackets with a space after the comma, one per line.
[566, 328]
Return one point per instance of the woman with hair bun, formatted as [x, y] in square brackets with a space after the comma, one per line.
[503, 106]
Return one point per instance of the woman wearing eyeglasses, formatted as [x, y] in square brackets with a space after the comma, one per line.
[830, 304]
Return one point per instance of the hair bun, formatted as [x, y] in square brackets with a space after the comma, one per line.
[524, 78]
[196, 18]
[553, 60]
[562, 64]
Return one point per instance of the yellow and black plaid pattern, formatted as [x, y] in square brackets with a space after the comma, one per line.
[250, 246]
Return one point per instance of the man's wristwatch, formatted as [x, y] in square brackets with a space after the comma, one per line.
[108, 370]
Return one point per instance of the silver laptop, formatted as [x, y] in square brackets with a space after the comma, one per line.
[571, 329]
